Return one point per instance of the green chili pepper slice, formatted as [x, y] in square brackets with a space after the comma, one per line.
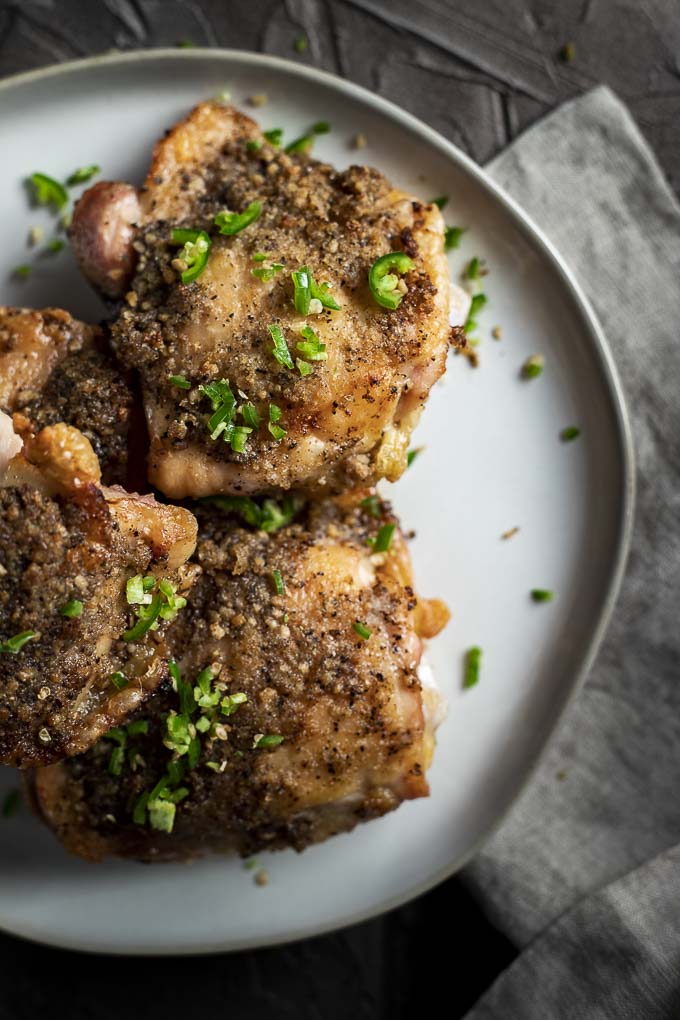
[195, 252]
[383, 283]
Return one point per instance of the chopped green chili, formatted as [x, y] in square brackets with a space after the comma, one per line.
[267, 740]
[231, 223]
[452, 237]
[195, 252]
[280, 348]
[83, 174]
[14, 644]
[47, 191]
[473, 658]
[383, 282]
[72, 609]
[362, 630]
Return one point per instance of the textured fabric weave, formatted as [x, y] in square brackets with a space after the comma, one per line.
[584, 872]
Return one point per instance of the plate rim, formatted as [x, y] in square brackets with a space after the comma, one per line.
[607, 366]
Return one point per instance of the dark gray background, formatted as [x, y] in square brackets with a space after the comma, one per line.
[479, 72]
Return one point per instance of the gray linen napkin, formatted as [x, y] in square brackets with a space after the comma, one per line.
[597, 848]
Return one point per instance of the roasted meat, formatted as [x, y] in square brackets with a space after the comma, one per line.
[318, 385]
[297, 710]
[68, 547]
[56, 369]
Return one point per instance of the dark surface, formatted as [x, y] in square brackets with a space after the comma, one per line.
[479, 73]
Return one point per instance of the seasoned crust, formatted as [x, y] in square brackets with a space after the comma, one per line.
[349, 422]
[350, 710]
[56, 369]
[64, 538]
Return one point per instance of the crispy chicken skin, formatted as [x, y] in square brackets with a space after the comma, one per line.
[356, 738]
[56, 369]
[64, 537]
[348, 422]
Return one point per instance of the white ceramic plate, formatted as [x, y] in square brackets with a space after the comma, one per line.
[493, 460]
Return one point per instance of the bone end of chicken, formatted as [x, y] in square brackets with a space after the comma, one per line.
[102, 232]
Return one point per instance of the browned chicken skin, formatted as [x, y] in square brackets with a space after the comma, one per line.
[348, 421]
[346, 736]
[56, 369]
[67, 541]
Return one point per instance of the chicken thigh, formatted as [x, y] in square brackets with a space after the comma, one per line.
[83, 569]
[296, 710]
[267, 360]
[56, 369]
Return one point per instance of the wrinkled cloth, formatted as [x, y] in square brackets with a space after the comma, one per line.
[584, 874]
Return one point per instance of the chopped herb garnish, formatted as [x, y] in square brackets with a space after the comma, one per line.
[11, 803]
[305, 142]
[383, 540]
[322, 292]
[14, 644]
[194, 254]
[161, 814]
[571, 432]
[137, 589]
[304, 367]
[250, 416]
[269, 517]
[83, 174]
[48, 191]
[267, 740]
[185, 44]
[275, 416]
[260, 256]
[302, 144]
[452, 237]
[221, 422]
[72, 609]
[306, 289]
[118, 680]
[362, 630]
[474, 269]
[311, 346]
[278, 582]
[274, 136]
[116, 761]
[22, 271]
[383, 283]
[164, 604]
[254, 145]
[300, 44]
[231, 223]
[267, 273]
[56, 245]
[412, 454]
[280, 348]
[441, 202]
[478, 302]
[533, 366]
[473, 658]
[180, 382]
[372, 505]
[542, 595]
[302, 289]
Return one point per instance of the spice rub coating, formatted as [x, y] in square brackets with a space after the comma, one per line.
[56, 369]
[349, 737]
[349, 420]
[67, 549]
